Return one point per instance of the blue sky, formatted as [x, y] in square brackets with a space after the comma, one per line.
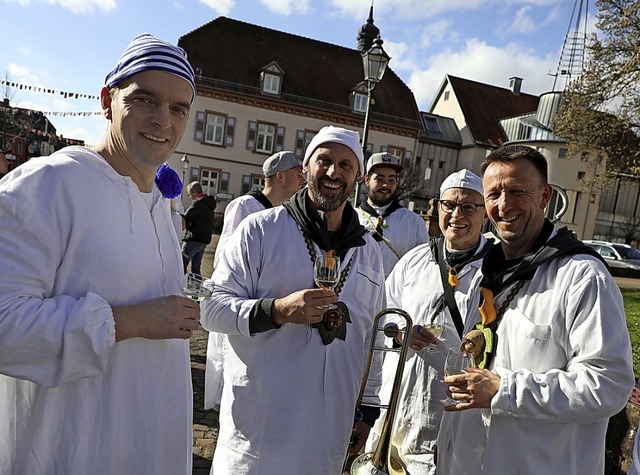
[70, 45]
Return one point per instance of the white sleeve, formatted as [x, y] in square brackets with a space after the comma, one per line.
[45, 338]
[234, 279]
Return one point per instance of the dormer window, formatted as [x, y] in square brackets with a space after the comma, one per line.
[271, 79]
[359, 102]
[358, 98]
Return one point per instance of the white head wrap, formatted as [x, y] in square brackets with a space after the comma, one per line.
[327, 134]
[146, 53]
[462, 179]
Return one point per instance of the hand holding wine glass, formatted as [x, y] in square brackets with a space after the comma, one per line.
[193, 287]
[436, 326]
[326, 273]
[455, 363]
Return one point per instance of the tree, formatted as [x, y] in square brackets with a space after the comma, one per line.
[601, 109]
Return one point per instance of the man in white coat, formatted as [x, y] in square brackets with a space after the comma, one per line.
[551, 340]
[283, 177]
[94, 352]
[396, 229]
[293, 367]
[416, 285]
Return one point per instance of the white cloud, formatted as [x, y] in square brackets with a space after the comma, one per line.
[522, 23]
[287, 7]
[435, 32]
[85, 6]
[484, 63]
[223, 7]
[24, 75]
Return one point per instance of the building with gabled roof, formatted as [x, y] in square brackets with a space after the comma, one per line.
[260, 91]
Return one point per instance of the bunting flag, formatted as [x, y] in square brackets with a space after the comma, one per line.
[65, 94]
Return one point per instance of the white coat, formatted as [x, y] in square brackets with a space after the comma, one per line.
[77, 238]
[288, 400]
[415, 286]
[405, 231]
[564, 359]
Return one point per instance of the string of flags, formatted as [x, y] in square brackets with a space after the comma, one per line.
[65, 94]
[72, 114]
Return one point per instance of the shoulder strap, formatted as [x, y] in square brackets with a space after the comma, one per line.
[435, 245]
[257, 194]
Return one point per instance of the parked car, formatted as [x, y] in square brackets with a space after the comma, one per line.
[623, 259]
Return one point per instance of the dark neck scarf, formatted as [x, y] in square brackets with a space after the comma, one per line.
[313, 224]
[259, 195]
[371, 211]
[499, 273]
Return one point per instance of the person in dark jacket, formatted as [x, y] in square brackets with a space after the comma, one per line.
[198, 226]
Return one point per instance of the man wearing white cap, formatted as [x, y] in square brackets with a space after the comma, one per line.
[420, 284]
[396, 229]
[282, 177]
[296, 353]
[94, 350]
[552, 347]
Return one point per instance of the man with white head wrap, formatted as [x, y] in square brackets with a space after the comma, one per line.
[423, 284]
[292, 366]
[94, 350]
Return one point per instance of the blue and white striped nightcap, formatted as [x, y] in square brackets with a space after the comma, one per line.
[145, 53]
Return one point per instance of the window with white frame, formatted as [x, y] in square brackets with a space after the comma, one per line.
[214, 129]
[209, 180]
[257, 182]
[265, 137]
[271, 83]
[359, 102]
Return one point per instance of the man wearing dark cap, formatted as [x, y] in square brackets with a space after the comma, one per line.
[282, 177]
[396, 229]
[293, 365]
[94, 350]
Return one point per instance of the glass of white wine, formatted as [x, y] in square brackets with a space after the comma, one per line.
[326, 273]
[455, 363]
[193, 287]
[436, 326]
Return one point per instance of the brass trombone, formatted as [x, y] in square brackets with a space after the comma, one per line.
[381, 461]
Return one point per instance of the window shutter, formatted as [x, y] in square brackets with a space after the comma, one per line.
[251, 135]
[231, 128]
[198, 135]
[280, 139]
[299, 149]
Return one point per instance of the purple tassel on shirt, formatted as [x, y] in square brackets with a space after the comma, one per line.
[168, 181]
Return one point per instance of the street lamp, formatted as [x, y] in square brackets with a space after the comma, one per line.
[185, 166]
[375, 61]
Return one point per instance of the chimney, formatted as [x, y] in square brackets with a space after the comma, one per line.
[515, 84]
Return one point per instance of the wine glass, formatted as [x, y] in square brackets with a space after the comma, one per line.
[326, 273]
[193, 287]
[455, 363]
[436, 326]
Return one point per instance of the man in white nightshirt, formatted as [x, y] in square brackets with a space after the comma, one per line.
[94, 354]
[293, 367]
[422, 283]
[554, 354]
[397, 229]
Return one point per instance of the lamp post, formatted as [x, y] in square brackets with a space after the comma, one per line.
[375, 61]
[185, 166]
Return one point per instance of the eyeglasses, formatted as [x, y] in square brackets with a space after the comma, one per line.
[467, 208]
